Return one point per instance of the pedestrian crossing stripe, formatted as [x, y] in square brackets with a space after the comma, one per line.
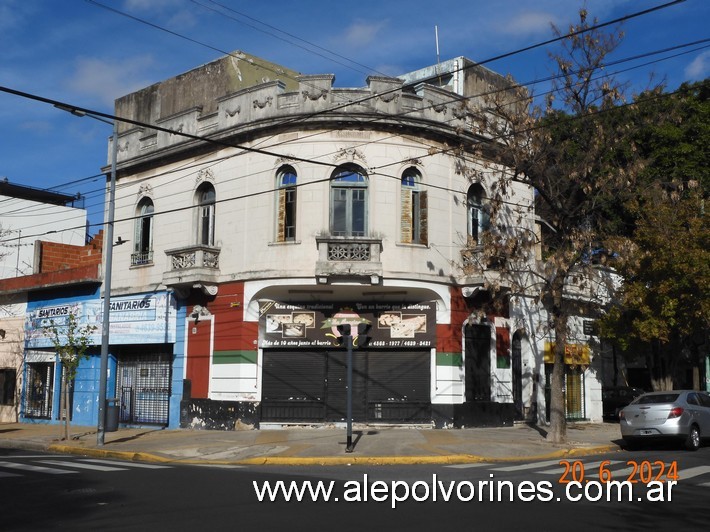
[521, 467]
[126, 464]
[692, 472]
[79, 465]
[37, 469]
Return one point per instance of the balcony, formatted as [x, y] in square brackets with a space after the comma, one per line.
[349, 257]
[193, 266]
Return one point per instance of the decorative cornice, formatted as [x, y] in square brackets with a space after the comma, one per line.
[230, 113]
[315, 95]
[350, 154]
[261, 105]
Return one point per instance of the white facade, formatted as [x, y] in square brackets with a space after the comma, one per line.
[310, 195]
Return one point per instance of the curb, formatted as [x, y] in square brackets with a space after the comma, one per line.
[137, 456]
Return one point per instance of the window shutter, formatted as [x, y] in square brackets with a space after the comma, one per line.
[406, 216]
[423, 218]
[281, 217]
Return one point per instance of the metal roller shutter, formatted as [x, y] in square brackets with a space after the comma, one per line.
[293, 386]
[399, 386]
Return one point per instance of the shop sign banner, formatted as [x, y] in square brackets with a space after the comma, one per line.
[575, 354]
[309, 325]
[134, 320]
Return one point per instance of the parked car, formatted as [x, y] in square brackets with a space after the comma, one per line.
[682, 415]
[614, 398]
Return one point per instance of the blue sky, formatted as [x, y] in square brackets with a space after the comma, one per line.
[81, 53]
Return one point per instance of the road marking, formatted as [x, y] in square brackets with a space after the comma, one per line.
[95, 467]
[466, 466]
[685, 474]
[125, 464]
[220, 466]
[521, 467]
[37, 469]
[16, 456]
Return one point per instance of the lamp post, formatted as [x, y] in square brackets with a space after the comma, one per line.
[108, 264]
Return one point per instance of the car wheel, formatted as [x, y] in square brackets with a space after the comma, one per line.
[692, 442]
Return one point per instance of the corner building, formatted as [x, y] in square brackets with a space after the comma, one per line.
[310, 206]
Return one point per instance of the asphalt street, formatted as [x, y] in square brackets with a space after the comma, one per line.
[55, 492]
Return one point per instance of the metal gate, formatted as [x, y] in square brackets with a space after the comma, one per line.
[39, 390]
[144, 389]
[310, 386]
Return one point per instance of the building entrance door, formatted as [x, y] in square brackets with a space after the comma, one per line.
[143, 389]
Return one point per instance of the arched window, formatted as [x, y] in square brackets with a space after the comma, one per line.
[413, 214]
[143, 247]
[205, 198]
[286, 180]
[348, 201]
[477, 216]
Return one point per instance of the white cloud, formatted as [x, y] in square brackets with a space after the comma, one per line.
[39, 127]
[530, 23]
[699, 68]
[361, 33]
[104, 81]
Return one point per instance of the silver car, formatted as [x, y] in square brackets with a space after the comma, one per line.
[680, 414]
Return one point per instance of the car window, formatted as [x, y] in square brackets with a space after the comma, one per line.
[657, 398]
[692, 399]
[704, 399]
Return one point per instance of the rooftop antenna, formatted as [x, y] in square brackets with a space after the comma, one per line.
[438, 62]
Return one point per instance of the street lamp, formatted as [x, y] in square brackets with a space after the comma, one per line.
[108, 264]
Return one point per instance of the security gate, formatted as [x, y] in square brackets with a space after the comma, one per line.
[310, 386]
[39, 390]
[144, 389]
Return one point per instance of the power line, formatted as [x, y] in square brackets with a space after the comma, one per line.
[373, 170]
[312, 161]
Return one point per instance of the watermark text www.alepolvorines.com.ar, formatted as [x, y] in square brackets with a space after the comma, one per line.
[395, 492]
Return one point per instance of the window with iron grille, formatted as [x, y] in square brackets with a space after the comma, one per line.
[143, 247]
[39, 389]
[206, 198]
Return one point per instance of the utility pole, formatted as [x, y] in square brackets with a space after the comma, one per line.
[108, 264]
[345, 333]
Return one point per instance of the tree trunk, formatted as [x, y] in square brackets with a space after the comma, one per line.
[558, 420]
[64, 406]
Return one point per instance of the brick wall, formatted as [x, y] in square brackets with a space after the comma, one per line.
[55, 256]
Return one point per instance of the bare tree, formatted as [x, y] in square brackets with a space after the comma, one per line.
[569, 151]
[71, 342]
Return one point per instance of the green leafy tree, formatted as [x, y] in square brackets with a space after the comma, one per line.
[663, 310]
[71, 341]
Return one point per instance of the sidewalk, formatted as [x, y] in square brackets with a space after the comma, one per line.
[317, 446]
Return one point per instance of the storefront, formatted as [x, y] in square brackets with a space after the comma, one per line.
[140, 365]
[577, 361]
[304, 361]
